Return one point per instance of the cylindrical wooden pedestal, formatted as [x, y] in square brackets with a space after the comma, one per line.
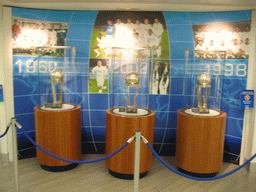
[118, 130]
[58, 132]
[200, 144]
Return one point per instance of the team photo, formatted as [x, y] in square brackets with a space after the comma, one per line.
[130, 30]
[29, 35]
[233, 38]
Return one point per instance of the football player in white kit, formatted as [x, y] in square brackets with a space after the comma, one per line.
[158, 29]
[152, 41]
[164, 83]
[201, 50]
[101, 44]
[234, 51]
[211, 47]
[100, 72]
[120, 33]
[119, 40]
[199, 35]
[129, 29]
[138, 27]
[237, 34]
[160, 78]
[155, 78]
[245, 49]
[146, 26]
[53, 35]
[246, 33]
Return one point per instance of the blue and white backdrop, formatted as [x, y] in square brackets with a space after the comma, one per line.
[181, 31]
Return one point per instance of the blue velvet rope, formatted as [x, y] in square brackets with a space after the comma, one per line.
[71, 161]
[196, 178]
[7, 129]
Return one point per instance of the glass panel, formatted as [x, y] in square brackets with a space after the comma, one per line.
[56, 76]
[203, 82]
[130, 80]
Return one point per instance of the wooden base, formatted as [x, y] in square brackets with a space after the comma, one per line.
[200, 175]
[118, 130]
[200, 143]
[126, 176]
[58, 132]
[59, 168]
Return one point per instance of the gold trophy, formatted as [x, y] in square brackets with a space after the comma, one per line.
[203, 82]
[131, 79]
[56, 77]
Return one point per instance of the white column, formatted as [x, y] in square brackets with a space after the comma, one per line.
[7, 74]
[3, 141]
[248, 147]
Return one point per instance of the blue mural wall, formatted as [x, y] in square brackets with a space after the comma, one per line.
[180, 33]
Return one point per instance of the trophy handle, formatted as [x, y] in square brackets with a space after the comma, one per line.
[54, 93]
[60, 96]
[199, 96]
[136, 97]
[207, 92]
[128, 99]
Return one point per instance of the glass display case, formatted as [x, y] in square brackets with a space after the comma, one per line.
[130, 77]
[202, 86]
[57, 118]
[201, 123]
[130, 81]
[56, 77]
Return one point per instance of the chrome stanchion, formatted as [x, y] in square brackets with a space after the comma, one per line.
[15, 151]
[137, 161]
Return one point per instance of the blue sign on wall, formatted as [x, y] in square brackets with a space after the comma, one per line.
[1, 93]
[247, 98]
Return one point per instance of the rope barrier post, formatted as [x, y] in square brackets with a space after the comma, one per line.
[137, 161]
[15, 152]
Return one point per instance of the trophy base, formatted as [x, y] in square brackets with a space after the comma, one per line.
[201, 110]
[65, 106]
[128, 109]
[131, 110]
[53, 105]
[122, 109]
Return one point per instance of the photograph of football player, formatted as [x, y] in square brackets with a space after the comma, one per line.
[98, 82]
[161, 77]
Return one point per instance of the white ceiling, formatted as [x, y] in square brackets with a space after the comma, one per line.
[143, 5]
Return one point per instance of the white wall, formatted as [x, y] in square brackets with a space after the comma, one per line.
[249, 134]
[3, 141]
[157, 5]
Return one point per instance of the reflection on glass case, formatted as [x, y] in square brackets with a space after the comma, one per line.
[56, 77]
[202, 86]
[130, 81]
